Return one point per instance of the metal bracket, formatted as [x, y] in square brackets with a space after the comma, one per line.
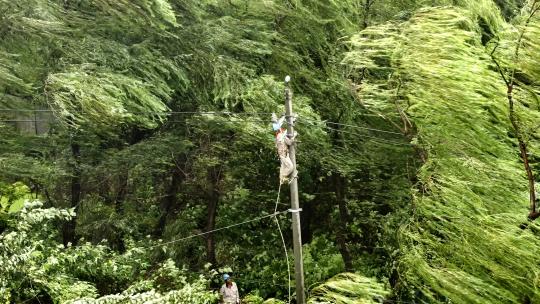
[295, 210]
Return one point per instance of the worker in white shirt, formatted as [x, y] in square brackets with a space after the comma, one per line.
[229, 291]
[282, 144]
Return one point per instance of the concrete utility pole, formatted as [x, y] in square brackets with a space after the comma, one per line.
[295, 205]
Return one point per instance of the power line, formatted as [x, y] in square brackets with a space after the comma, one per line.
[167, 113]
[218, 121]
[218, 229]
[180, 112]
[352, 126]
[309, 121]
[283, 241]
[25, 120]
[25, 110]
[371, 138]
[156, 112]
[55, 121]
[205, 113]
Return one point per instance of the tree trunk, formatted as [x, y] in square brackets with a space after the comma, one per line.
[367, 11]
[121, 193]
[213, 200]
[211, 225]
[169, 201]
[340, 190]
[68, 231]
[117, 239]
[533, 213]
[340, 184]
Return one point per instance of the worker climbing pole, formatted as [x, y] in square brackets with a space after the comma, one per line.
[283, 141]
[286, 146]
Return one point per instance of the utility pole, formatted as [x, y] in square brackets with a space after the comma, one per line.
[295, 205]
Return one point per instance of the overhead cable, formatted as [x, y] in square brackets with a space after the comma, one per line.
[156, 112]
[371, 138]
[222, 228]
[351, 126]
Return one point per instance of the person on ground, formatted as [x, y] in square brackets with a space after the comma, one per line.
[229, 291]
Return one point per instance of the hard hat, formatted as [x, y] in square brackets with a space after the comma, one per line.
[226, 277]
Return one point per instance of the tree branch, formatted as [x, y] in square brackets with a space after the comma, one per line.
[533, 214]
[499, 68]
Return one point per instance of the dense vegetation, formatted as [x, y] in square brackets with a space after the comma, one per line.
[126, 127]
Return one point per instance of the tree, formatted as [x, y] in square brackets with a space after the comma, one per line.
[509, 75]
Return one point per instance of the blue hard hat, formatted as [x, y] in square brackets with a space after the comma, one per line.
[226, 277]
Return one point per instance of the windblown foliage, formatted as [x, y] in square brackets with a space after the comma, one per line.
[35, 266]
[409, 166]
[466, 242]
[348, 288]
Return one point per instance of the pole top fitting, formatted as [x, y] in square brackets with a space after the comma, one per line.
[287, 79]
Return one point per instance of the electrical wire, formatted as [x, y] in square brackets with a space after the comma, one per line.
[157, 112]
[311, 121]
[219, 229]
[165, 121]
[211, 113]
[283, 242]
[168, 113]
[352, 126]
[25, 120]
[25, 110]
[181, 112]
[371, 138]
